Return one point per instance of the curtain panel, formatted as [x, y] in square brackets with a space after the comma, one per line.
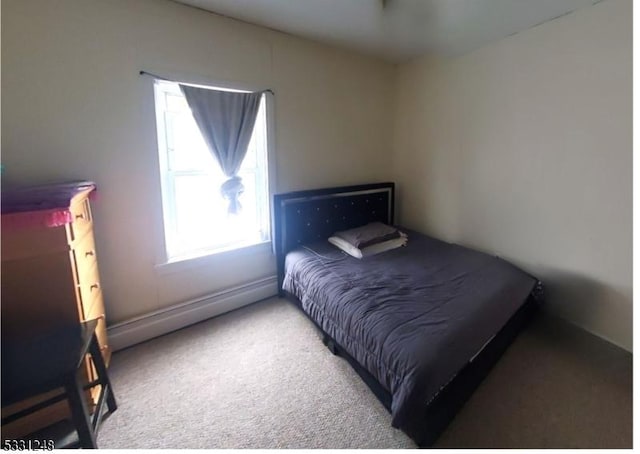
[226, 120]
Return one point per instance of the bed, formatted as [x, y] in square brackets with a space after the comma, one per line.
[421, 324]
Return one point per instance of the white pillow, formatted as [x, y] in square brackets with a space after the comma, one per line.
[369, 250]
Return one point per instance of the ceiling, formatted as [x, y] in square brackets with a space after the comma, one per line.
[396, 30]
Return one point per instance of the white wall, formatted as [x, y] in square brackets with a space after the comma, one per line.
[74, 107]
[524, 149]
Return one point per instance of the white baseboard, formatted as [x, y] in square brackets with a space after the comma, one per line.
[163, 321]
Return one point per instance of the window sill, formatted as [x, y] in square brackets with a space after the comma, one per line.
[184, 263]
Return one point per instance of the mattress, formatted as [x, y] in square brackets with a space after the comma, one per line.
[412, 317]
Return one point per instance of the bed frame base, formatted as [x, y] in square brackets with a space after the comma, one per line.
[452, 398]
[443, 408]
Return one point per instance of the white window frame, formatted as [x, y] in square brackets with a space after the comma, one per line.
[204, 256]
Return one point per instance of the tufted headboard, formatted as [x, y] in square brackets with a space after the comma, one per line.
[307, 216]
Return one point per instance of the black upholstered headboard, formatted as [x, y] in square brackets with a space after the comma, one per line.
[306, 216]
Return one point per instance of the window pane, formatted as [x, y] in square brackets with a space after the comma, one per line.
[250, 158]
[198, 205]
[175, 102]
[189, 151]
[202, 220]
[248, 199]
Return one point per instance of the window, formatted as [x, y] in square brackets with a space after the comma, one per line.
[196, 221]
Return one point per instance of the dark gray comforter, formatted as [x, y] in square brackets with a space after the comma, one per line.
[414, 316]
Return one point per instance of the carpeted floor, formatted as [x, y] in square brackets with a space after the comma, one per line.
[260, 377]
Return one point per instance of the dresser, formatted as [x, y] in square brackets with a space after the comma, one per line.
[49, 275]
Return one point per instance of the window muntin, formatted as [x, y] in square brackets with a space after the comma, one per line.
[195, 213]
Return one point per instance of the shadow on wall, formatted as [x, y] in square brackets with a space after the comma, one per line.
[580, 299]
[593, 305]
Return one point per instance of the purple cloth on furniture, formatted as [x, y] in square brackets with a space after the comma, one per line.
[44, 197]
[40, 206]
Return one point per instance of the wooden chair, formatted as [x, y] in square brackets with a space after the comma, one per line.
[37, 364]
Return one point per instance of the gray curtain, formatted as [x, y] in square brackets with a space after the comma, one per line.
[226, 120]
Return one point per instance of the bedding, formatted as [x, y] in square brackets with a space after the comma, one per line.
[412, 316]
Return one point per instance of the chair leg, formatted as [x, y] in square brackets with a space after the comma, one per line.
[80, 412]
[103, 375]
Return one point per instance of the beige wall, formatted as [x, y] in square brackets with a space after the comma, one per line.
[74, 107]
[524, 149]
